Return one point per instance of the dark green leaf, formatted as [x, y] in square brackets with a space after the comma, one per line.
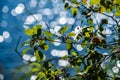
[46, 65]
[104, 21]
[39, 56]
[101, 28]
[67, 7]
[31, 43]
[39, 31]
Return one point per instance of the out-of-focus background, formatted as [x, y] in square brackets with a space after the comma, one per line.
[15, 16]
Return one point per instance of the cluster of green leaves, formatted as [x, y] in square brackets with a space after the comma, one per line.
[89, 63]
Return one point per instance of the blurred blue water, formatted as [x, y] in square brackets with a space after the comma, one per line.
[8, 57]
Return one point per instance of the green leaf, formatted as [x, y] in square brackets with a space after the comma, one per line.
[48, 34]
[32, 43]
[104, 21]
[71, 34]
[41, 42]
[65, 57]
[102, 9]
[25, 43]
[34, 29]
[74, 12]
[79, 60]
[68, 44]
[74, 53]
[35, 69]
[25, 51]
[117, 13]
[39, 31]
[83, 44]
[46, 65]
[94, 2]
[67, 7]
[87, 34]
[35, 64]
[39, 56]
[28, 32]
[90, 21]
[88, 69]
[101, 28]
[39, 26]
[63, 30]
[44, 46]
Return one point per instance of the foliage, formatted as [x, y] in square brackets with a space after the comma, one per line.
[86, 66]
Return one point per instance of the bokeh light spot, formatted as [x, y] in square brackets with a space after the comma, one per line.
[115, 69]
[62, 21]
[1, 39]
[20, 8]
[3, 23]
[6, 34]
[63, 63]
[79, 48]
[5, 9]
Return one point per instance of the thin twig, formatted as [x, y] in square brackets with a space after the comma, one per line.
[17, 48]
[113, 19]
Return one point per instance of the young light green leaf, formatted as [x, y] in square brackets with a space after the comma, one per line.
[25, 51]
[35, 64]
[74, 12]
[29, 32]
[63, 30]
[48, 34]
[35, 69]
[44, 46]
[88, 69]
[74, 53]
[90, 21]
[94, 2]
[71, 34]
[39, 26]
